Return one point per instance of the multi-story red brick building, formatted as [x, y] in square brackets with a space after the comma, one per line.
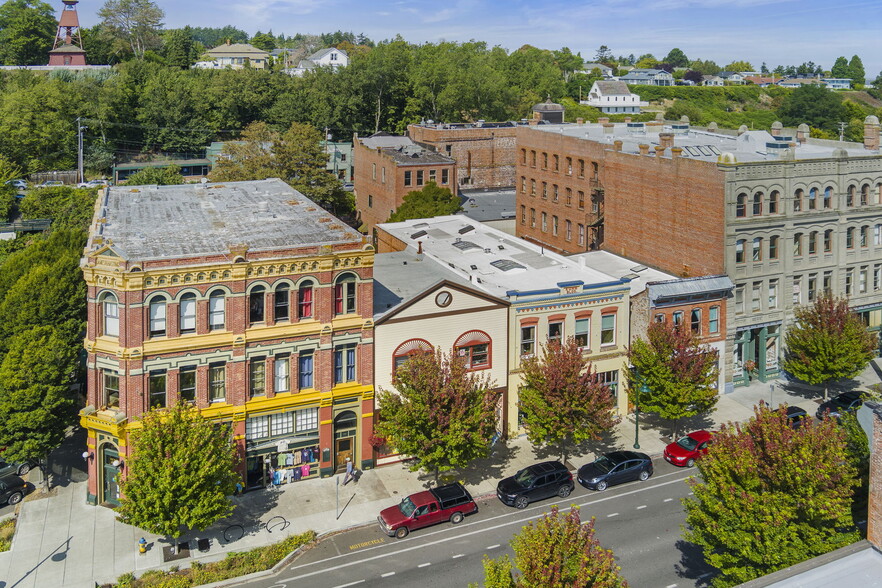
[246, 299]
[484, 152]
[784, 217]
[388, 168]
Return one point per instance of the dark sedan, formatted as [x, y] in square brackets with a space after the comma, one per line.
[795, 417]
[846, 402]
[12, 489]
[614, 468]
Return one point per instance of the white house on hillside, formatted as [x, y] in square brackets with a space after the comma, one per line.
[613, 98]
[330, 57]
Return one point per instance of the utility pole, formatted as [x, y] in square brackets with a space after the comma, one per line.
[80, 129]
[842, 126]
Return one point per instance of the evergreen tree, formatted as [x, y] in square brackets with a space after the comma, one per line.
[676, 58]
[562, 398]
[429, 202]
[840, 68]
[856, 70]
[263, 41]
[181, 472]
[828, 343]
[769, 496]
[178, 48]
[674, 375]
[440, 412]
[813, 105]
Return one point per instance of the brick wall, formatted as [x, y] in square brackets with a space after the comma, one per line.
[486, 156]
[874, 514]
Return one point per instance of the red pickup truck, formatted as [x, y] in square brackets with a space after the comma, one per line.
[445, 503]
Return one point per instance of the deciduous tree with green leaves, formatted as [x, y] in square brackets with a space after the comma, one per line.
[160, 176]
[137, 22]
[840, 68]
[770, 496]
[563, 399]
[677, 58]
[431, 201]
[814, 106]
[673, 375]
[828, 342]
[27, 30]
[181, 472]
[36, 402]
[556, 551]
[440, 413]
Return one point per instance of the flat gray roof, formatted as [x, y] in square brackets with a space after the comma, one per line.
[402, 275]
[488, 205]
[623, 268]
[192, 220]
[751, 146]
[494, 261]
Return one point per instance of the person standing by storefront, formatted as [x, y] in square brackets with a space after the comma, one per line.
[349, 471]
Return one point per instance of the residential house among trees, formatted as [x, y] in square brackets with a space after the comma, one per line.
[647, 77]
[330, 57]
[238, 55]
[613, 98]
[245, 299]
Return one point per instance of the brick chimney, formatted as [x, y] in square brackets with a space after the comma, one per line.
[627, 119]
[644, 148]
[659, 150]
[535, 119]
[666, 140]
[580, 121]
[608, 128]
[617, 145]
[874, 510]
[802, 133]
[675, 152]
[871, 133]
[777, 127]
[603, 120]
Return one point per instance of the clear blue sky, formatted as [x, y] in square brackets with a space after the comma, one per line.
[774, 31]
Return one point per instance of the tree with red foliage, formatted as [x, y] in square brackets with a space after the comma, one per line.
[673, 375]
[562, 398]
[829, 342]
[440, 413]
[769, 496]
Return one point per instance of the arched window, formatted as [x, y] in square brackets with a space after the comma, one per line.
[474, 348]
[773, 201]
[849, 198]
[797, 245]
[157, 316]
[828, 197]
[187, 312]
[410, 347]
[797, 200]
[304, 299]
[741, 205]
[695, 321]
[828, 240]
[216, 310]
[256, 305]
[757, 204]
[110, 312]
[739, 251]
[865, 194]
[849, 238]
[281, 303]
[813, 243]
[813, 199]
[757, 249]
[344, 295]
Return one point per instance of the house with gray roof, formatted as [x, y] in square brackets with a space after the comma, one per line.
[330, 57]
[648, 77]
[613, 97]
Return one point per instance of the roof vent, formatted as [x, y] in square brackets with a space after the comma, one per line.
[418, 234]
[466, 229]
[486, 250]
[474, 267]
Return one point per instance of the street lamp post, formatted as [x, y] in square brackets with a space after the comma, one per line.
[637, 418]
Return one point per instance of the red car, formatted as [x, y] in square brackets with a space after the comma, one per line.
[687, 449]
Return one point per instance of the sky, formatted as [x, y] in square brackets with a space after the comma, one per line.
[787, 32]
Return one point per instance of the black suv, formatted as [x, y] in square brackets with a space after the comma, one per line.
[535, 482]
[846, 402]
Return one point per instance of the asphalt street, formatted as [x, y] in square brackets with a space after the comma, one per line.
[639, 521]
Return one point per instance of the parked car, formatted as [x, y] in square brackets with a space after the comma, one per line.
[12, 489]
[19, 468]
[348, 186]
[795, 416]
[846, 402]
[685, 450]
[535, 482]
[18, 184]
[93, 184]
[436, 505]
[614, 468]
[51, 184]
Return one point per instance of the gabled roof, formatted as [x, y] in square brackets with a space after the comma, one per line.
[613, 88]
[236, 49]
[68, 48]
[322, 52]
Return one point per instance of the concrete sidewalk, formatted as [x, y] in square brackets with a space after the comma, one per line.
[62, 541]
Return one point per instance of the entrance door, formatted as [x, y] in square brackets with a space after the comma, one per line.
[110, 488]
[343, 450]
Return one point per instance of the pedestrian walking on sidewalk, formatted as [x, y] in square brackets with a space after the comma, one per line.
[349, 471]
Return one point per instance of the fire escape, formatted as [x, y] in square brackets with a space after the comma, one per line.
[595, 225]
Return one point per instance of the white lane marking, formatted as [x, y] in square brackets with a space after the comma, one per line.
[668, 499]
[460, 536]
[458, 555]
[641, 506]
[350, 584]
[671, 586]
[387, 574]
[493, 546]
[419, 566]
[614, 514]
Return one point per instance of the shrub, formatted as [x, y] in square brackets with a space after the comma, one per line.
[7, 530]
